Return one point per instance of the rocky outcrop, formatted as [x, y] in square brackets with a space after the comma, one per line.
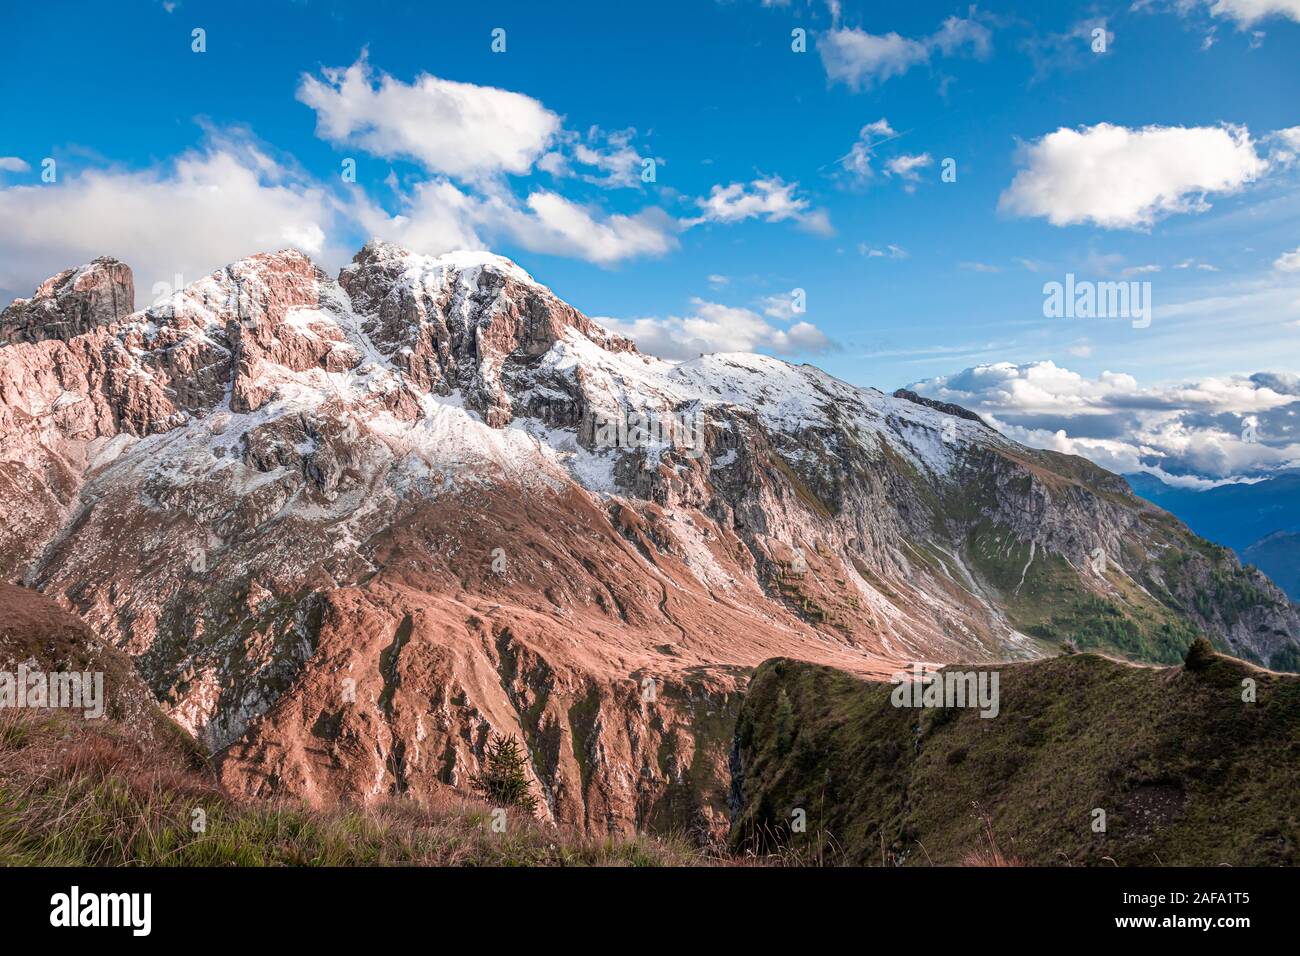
[948, 408]
[71, 303]
[347, 529]
[455, 321]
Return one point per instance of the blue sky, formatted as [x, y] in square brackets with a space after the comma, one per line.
[1169, 157]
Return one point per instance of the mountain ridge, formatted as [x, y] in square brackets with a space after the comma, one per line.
[349, 528]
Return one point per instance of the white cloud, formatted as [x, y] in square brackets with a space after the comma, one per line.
[1070, 49]
[906, 166]
[769, 199]
[860, 60]
[475, 134]
[1187, 428]
[437, 216]
[12, 164]
[1288, 261]
[890, 251]
[858, 160]
[207, 208]
[712, 327]
[779, 307]
[1248, 12]
[1117, 177]
[1290, 136]
[559, 226]
[457, 129]
[609, 159]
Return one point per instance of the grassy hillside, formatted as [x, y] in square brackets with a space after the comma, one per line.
[77, 794]
[1186, 772]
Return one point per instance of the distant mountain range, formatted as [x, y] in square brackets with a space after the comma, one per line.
[1278, 556]
[1260, 521]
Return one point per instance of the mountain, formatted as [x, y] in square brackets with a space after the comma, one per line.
[348, 528]
[1278, 556]
[127, 788]
[1235, 515]
[72, 302]
[1184, 770]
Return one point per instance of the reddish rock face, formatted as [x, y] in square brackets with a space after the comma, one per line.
[70, 303]
[347, 529]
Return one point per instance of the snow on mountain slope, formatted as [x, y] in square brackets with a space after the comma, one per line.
[348, 528]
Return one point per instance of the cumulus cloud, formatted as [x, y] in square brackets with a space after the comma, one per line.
[553, 224]
[1248, 12]
[468, 137]
[437, 216]
[457, 129]
[1288, 261]
[1121, 178]
[209, 207]
[713, 327]
[771, 200]
[861, 60]
[1189, 430]
[232, 198]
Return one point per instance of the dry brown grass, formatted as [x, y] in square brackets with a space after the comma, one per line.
[77, 794]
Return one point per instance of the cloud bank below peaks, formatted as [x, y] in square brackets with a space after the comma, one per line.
[1190, 433]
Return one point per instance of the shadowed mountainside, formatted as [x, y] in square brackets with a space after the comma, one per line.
[1186, 771]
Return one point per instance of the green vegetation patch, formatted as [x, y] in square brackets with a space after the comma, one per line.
[1185, 770]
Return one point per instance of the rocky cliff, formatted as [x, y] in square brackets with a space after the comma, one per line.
[346, 529]
[72, 302]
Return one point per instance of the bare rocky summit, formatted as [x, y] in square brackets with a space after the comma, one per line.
[72, 302]
[347, 529]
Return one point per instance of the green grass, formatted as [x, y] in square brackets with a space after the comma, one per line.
[1187, 773]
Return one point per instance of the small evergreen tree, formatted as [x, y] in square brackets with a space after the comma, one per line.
[1200, 654]
[503, 781]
